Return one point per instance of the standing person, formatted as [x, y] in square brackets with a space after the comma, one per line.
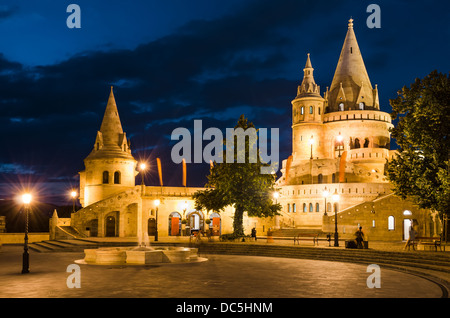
[411, 239]
[254, 233]
[359, 238]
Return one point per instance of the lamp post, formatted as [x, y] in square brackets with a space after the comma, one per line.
[336, 235]
[26, 199]
[157, 202]
[325, 194]
[339, 138]
[276, 195]
[73, 194]
[142, 167]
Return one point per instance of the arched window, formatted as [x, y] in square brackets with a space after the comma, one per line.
[366, 143]
[357, 145]
[311, 109]
[341, 107]
[117, 177]
[304, 207]
[289, 207]
[333, 178]
[105, 177]
[302, 110]
[311, 207]
[391, 223]
[320, 178]
[294, 207]
[361, 105]
[317, 207]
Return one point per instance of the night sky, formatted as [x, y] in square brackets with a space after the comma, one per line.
[174, 61]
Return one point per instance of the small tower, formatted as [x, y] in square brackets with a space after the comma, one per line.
[307, 111]
[110, 167]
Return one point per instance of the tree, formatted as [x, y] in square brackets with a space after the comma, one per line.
[421, 169]
[241, 185]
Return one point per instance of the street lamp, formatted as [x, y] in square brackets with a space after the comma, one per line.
[157, 202]
[339, 138]
[276, 195]
[26, 199]
[325, 194]
[73, 194]
[142, 167]
[336, 235]
[311, 142]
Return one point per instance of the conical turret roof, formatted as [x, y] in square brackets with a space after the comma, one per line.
[308, 88]
[350, 78]
[111, 141]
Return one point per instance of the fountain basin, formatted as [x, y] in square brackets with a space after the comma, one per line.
[140, 255]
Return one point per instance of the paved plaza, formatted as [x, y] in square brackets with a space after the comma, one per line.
[221, 276]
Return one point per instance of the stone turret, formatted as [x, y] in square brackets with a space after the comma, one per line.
[351, 88]
[110, 167]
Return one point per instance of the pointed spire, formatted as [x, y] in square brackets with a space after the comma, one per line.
[308, 86]
[111, 127]
[111, 140]
[351, 73]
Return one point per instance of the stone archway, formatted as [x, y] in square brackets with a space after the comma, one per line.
[111, 224]
[195, 220]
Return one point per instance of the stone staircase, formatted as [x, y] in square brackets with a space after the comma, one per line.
[74, 245]
[410, 261]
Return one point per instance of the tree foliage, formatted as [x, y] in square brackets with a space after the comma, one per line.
[421, 169]
[241, 185]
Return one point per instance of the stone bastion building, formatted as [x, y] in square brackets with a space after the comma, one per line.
[340, 147]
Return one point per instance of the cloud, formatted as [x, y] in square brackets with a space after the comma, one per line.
[7, 11]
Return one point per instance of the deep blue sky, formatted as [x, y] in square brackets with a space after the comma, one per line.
[175, 61]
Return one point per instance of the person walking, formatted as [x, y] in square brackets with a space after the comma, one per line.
[359, 238]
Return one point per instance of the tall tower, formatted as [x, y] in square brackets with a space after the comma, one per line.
[109, 168]
[307, 111]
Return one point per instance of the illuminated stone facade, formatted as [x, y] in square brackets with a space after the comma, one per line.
[340, 146]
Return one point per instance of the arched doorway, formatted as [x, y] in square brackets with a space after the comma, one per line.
[195, 221]
[407, 223]
[110, 226]
[216, 224]
[174, 224]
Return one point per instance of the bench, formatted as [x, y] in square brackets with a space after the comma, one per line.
[429, 241]
[306, 237]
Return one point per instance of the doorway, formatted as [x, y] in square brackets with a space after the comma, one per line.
[110, 226]
[407, 223]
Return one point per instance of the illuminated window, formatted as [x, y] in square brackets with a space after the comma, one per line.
[302, 110]
[304, 207]
[407, 212]
[117, 177]
[391, 223]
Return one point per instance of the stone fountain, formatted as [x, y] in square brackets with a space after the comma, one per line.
[144, 255]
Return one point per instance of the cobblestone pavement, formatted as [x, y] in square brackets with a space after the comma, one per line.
[222, 276]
